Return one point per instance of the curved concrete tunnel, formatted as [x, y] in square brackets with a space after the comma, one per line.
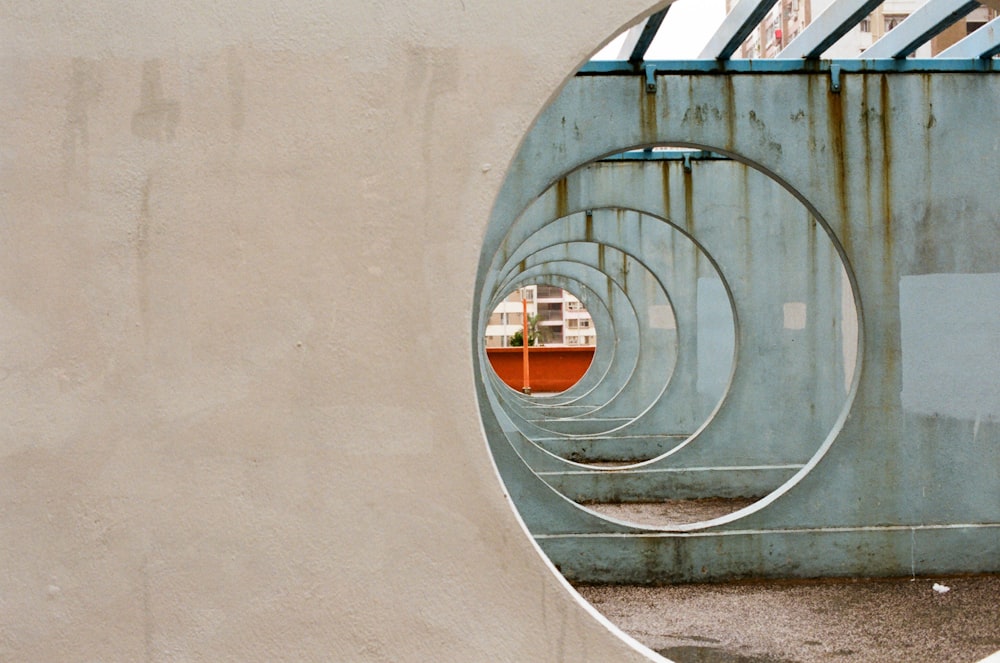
[649, 359]
[604, 353]
[604, 291]
[754, 244]
[656, 270]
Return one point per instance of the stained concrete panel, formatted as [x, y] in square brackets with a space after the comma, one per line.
[716, 337]
[950, 330]
[218, 224]
[889, 491]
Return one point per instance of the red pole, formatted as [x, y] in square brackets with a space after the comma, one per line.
[524, 337]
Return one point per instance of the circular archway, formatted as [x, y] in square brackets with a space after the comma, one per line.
[561, 338]
[735, 326]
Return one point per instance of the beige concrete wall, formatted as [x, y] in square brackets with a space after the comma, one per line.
[214, 447]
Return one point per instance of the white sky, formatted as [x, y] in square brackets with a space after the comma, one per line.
[688, 26]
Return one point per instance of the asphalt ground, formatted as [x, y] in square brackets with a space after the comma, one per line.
[839, 620]
[670, 512]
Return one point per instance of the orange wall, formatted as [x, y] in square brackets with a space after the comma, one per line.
[550, 368]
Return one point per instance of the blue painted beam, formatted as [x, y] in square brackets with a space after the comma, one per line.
[735, 28]
[940, 64]
[827, 28]
[665, 155]
[649, 31]
[919, 27]
[982, 44]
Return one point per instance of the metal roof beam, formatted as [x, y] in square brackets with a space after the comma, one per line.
[919, 27]
[773, 66]
[638, 39]
[735, 28]
[827, 28]
[983, 43]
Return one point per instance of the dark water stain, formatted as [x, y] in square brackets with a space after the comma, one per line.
[85, 91]
[157, 117]
[692, 654]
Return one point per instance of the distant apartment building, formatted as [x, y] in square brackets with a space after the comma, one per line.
[963, 28]
[789, 17]
[562, 318]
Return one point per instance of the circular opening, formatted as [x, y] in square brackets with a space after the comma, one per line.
[627, 381]
[561, 338]
[734, 327]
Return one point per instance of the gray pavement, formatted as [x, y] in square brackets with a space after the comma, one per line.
[666, 513]
[842, 620]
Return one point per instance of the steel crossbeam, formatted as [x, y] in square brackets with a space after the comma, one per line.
[827, 28]
[918, 28]
[983, 43]
[735, 28]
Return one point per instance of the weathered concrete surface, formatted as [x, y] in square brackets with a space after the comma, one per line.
[901, 180]
[215, 219]
[851, 621]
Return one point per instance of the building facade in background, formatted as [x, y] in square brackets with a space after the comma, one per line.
[562, 318]
[789, 17]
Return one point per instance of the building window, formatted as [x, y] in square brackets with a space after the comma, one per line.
[549, 311]
[892, 20]
[549, 292]
[865, 25]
